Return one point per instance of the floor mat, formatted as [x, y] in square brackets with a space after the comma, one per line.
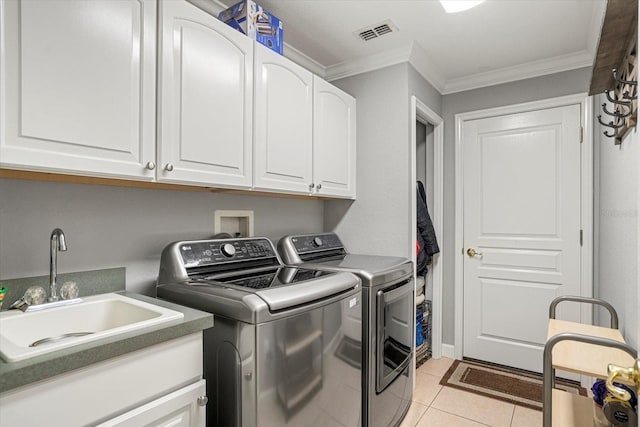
[499, 382]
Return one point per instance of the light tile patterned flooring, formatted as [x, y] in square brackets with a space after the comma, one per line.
[437, 406]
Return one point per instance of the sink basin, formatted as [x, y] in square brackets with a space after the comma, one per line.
[26, 335]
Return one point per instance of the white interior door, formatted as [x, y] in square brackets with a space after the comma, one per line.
[522, 216]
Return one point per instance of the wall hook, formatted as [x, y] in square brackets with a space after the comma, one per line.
[615, 101]
[610, 124]
[615, 134]
[615, 113]
[624, 82]
[626, 95]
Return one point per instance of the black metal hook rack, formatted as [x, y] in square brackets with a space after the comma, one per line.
[623, 99]
[615, 70]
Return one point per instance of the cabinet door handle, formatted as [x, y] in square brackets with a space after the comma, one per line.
[311, 186]
[202, 400]
[319, 187]
[151, 166]
[168, 167]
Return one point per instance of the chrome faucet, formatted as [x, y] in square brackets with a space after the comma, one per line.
[57, 244]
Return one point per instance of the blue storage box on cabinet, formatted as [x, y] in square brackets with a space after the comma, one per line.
[253, 20]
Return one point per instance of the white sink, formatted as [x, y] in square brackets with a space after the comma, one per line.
[100, 316]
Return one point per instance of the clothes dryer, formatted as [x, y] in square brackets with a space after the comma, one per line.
[387, 323]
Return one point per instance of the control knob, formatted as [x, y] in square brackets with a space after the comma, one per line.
[228, 250]
[317, 242]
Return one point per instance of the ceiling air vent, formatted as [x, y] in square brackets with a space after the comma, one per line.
[377, 30]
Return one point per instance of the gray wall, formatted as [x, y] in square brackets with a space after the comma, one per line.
[378, 222]
[550, 86]
[617, 229]
[114, 226]
[422, 89]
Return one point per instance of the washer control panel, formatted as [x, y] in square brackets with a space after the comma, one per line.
[210, 252]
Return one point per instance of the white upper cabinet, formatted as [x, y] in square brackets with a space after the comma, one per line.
[205, 99]
[78, 96]
[78, 86]
[334, 141]
[283, 124]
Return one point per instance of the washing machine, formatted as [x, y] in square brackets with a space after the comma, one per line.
[275, 355]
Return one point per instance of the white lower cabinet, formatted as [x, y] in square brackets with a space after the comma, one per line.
[77, 87]
[182, 408]
[160, 385]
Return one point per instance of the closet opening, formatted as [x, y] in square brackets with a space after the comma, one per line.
[427, 192]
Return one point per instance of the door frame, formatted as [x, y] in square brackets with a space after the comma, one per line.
[420, 112]
[586, 183]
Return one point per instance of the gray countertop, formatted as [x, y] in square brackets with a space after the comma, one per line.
[18, 374]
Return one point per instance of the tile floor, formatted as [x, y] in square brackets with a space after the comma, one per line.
[437, 406]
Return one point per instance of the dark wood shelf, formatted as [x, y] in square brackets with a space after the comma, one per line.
[619, 31]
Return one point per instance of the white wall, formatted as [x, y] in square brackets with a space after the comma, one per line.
[114, 226]
[617, 228]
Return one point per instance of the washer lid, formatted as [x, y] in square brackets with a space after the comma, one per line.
[309, 291]
[256, 297]
[372, 269]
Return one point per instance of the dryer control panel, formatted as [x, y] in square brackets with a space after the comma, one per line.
[316, 242]
[309, 247]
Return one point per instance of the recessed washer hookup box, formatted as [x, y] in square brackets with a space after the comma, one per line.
[253, 20]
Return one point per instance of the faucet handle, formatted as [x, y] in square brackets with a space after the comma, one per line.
[35, 295]
[69, 290]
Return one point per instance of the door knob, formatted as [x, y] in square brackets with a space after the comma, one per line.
[472, 252]
[631, 374]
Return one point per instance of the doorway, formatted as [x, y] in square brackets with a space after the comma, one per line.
[524, 218]
[427, 159]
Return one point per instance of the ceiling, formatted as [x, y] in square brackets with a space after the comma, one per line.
[495, 42]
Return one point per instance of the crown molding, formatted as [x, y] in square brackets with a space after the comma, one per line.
[304, 61]
[520, 72]
[426, 68]
[368, 63]
[420, 61]
[418, 58]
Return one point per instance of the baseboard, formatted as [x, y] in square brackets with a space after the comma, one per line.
[448, 350]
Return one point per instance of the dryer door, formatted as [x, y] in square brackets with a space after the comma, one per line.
[394, 332]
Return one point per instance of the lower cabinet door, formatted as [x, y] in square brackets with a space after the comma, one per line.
[182, 408]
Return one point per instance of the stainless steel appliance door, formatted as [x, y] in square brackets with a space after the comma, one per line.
[309, 367]
[394, 332]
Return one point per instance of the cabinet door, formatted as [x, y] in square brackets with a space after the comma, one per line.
[78, 86]
[182, 408]
[205, 99]
[334, 141]
[283, 120]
